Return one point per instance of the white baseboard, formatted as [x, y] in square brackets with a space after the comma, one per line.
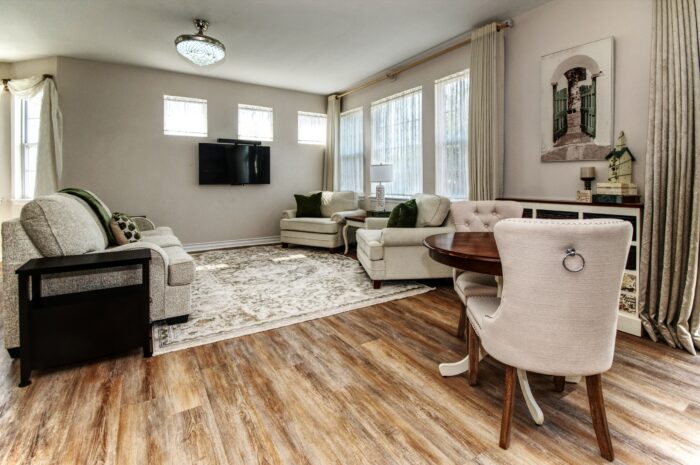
[203, 246]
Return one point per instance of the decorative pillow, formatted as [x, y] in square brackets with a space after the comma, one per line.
[404, 215]
[309, 206]
[124, 229]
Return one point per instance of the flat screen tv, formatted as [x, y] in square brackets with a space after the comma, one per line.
[234, 164]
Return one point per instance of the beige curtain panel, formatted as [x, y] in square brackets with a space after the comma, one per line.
[49, 162]
[332, 143]
[486, 74]
[669, 286]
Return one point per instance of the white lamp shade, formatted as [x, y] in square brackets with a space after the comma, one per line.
[381, 173]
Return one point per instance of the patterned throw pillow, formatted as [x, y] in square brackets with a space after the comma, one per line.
[124, 229]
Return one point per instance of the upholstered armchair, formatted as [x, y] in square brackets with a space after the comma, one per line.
[478, 216]
[559, 306]
[398, 253]
[323, 232]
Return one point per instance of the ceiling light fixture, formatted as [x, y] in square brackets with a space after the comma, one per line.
[200, 49]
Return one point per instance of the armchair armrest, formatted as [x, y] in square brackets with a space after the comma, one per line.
[289, 214]
[339, 217]
[376, 223]
[143, 223]
[398, 237]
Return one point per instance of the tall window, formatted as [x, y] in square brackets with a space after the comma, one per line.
[397, 141]
[254, 123]
[311, 128]
[25, 153]
[451, 122]
[184, 116]
[351, 151]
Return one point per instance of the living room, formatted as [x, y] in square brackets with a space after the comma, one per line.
[274, 232]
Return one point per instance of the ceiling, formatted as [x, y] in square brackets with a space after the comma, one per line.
[318, 46]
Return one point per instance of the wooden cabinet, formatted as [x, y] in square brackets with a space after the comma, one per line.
[628, 320]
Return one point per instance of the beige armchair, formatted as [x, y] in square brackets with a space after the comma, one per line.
[558, 313]
[398, 253]
[478, 216]
[320, 232]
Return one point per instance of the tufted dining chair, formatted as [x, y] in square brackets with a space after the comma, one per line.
[478, 216]
[558, 311]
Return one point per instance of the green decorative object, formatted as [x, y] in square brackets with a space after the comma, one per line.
[309, 206]
[620, 162]
[404, 215]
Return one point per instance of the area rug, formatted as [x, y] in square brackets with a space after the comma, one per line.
[247, 290]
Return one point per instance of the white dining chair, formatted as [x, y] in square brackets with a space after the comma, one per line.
[558, 311]
[478, 216]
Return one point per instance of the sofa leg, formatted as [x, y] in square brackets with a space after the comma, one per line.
[14, 352]
[377, 283]
[176, 320]
[285, 245]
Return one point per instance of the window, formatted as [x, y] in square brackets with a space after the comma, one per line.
[351, 151]
[28, 112]
[254, 123]
[312, 128]
[451, 123]
[397, 141]
[184, 116]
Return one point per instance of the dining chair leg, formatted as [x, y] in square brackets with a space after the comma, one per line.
[473, 343]
[594, 387]
[461, 329]
[508, 404]
[559, 383]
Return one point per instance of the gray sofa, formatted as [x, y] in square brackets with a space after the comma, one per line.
[61, 225]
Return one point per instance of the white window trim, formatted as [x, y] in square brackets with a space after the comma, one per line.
[459, 74]
[309, 113]
[191, 100]
[255, 107]
[16, 151]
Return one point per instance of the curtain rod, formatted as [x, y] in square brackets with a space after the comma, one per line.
[6, 81]
[393, 73]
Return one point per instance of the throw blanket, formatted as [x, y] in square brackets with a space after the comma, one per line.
[97, 206]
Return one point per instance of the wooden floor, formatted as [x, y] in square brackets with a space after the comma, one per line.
[356, 388]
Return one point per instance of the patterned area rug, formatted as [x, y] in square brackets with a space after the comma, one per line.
[247, 290]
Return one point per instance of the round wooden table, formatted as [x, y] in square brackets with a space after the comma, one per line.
[478, 252]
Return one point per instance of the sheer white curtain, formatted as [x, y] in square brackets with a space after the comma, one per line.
[351, 151]
[451, 131]
[311, 128]
[254, 123]
[49, 159]
[397, 141]
[183, 116]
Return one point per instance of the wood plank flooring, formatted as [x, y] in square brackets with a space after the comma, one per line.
[356, 388]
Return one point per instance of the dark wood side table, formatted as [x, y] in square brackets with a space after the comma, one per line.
[62, 329]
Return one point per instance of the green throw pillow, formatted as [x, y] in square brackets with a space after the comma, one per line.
[404, 215]
[309, 206]
[124, 229]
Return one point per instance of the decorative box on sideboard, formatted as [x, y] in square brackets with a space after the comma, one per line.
[628, 320]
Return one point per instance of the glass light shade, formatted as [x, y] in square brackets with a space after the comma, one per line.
[381, 173]
[200, 49]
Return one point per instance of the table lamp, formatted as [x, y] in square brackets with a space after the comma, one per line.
[380, 174]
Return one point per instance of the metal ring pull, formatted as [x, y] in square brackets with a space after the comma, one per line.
[571, 252]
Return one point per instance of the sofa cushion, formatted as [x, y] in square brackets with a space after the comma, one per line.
[181, 267]
[314, 225]
[309, 206]
[61, 224]
[162, 240]
[404, 215]
[159, 231]
[333, 202]
[432, 210]
[368, 241]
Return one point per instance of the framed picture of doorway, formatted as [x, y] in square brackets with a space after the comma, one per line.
[576, 102]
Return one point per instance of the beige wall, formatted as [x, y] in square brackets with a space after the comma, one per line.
[559, 25]
[114, 145]
[554, 26]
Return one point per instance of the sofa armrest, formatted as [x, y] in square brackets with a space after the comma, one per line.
[289, 214]
[143, 223]
[339, 217]
[376, 223]
[399, 237]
